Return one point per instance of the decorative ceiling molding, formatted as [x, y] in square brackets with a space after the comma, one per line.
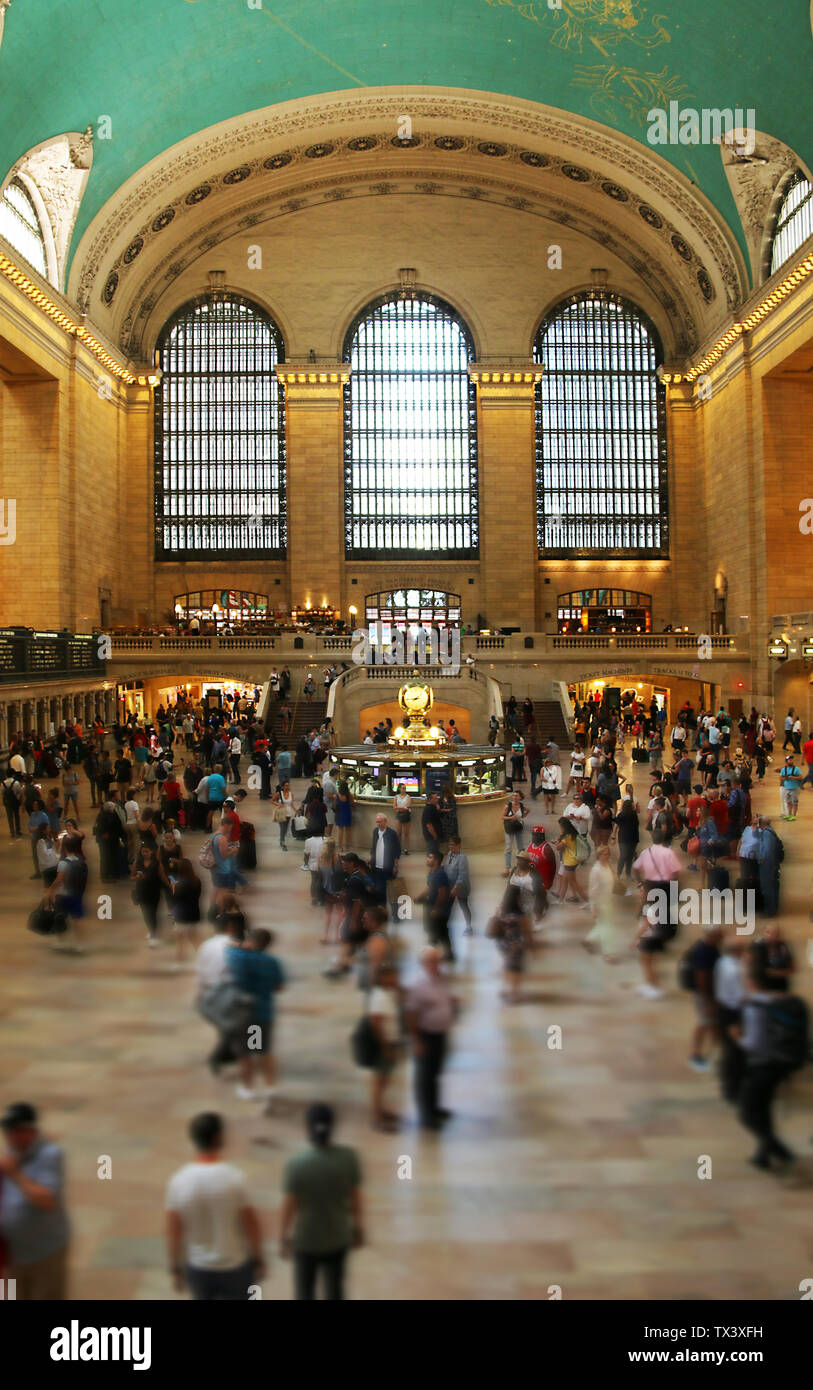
[55, 173]
[451, 128]
[757, 188]
[672, 286]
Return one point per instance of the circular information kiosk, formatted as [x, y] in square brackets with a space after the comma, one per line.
[419, 759]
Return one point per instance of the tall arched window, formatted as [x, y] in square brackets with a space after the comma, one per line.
[600, 432]
[219, 434]
[410, 433]
[20, 225]
[794, 221]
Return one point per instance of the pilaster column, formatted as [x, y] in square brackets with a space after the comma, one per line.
[3, 725]
[15, 723]
[29, 716]
[314, 436]
[507, 465]
[690, 582]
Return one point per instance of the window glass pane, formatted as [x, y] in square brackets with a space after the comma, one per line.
[600, 432]
[410, 434]
[794, 223]
[220, 434]
[20, 225]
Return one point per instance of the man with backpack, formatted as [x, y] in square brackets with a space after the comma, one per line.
[357, 893]
[697, 975]
[12, 797]
[774, 1036]
[770, 853]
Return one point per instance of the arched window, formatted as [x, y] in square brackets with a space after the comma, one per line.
[794, 221]
[219, 434]
[600, 432]
[20, 225]
[410, 433]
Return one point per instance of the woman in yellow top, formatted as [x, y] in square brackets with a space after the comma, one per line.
[566, 845]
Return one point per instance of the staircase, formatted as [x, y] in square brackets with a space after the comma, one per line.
[305, 717]
[550, 723]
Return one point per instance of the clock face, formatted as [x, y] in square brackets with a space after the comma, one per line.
[415, 699]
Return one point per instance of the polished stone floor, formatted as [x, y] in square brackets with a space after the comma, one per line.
[574, 1168]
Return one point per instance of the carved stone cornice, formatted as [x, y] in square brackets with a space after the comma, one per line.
[313, 383]
[506, 383]
[600, 162]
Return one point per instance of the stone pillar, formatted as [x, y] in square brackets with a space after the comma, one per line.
[314, 432]
[507, 464]
[3, 726]
[53, 711]
[109, 707]
[15, 721]
[134, 599]
[88, 709]
[690, 580]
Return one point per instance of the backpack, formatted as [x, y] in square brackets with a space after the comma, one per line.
[787, 1033]
[75, 877]
[582, 849]
[685, 973]
[11, 798]
[206, 858]
[364, 1043]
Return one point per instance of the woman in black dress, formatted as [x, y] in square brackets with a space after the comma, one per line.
[185, 907]
[147, 885]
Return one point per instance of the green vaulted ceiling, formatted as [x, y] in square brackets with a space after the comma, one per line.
[164, 69]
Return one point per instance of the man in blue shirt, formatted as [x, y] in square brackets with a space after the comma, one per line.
[216, 789]
[283, 766]
[33, 1221]
[260, 976]
[437, 900]
[790, 777]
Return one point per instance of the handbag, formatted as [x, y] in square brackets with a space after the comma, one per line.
[280, 814]
[513, 825]
[206, 858]
[693, 847]
[300, 822]
[364, 1043]
[226, 1006]
[46, 920]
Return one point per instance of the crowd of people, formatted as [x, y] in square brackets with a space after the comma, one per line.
[593, 853]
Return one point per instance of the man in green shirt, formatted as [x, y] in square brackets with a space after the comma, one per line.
[322, 1212]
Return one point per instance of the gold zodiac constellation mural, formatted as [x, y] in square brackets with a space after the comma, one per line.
[574, 25]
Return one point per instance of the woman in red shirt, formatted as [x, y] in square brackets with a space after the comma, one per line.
[172, 792]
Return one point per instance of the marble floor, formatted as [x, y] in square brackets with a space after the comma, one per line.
[574, 1168]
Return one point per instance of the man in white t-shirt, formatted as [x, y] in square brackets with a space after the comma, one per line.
[214, 1237]
[579, 814]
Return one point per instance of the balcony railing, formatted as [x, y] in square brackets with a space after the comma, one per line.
[518, 647]
[27, 656]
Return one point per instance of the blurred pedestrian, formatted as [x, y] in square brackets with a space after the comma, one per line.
[322, 1215]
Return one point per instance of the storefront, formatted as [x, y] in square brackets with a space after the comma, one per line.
[604, 611]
